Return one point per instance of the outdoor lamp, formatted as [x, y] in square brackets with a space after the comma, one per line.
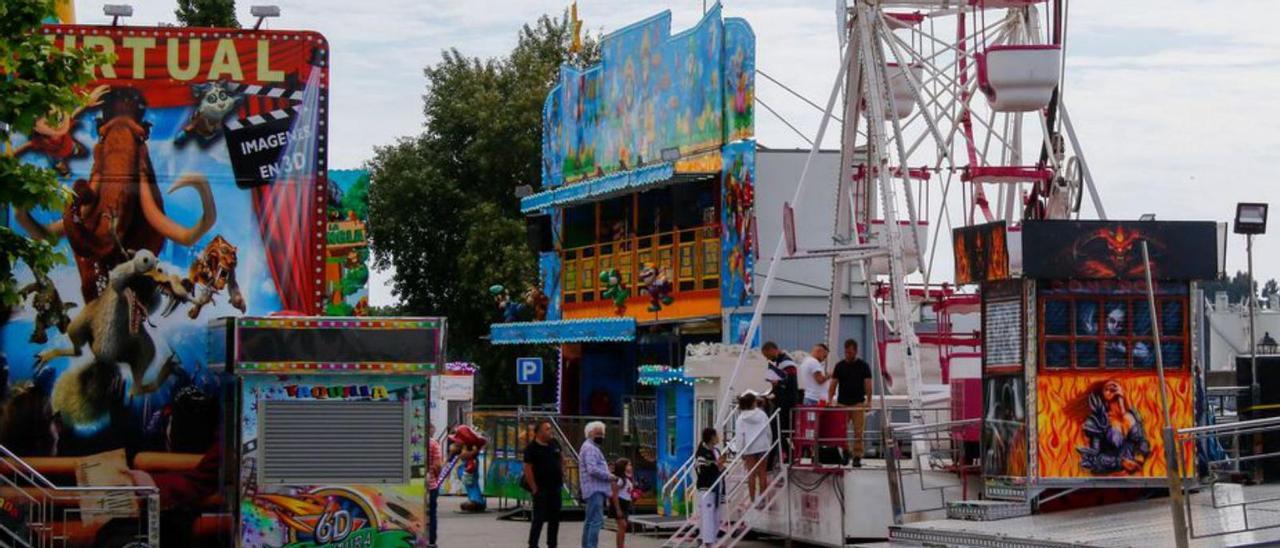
[263, 12]
[116, 11]
[1251, 218]
[1268, 345]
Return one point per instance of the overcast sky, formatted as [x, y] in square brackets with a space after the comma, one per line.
[1177, 102]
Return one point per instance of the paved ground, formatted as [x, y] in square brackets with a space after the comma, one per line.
[459, 530]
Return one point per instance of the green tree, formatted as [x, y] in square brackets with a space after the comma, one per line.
[1236, 287]
[207, 13]
[38, 81]
[1270, 290]
[442, 208]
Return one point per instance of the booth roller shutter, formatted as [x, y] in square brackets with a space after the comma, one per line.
[317, 442]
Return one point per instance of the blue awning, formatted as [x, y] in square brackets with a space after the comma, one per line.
[564, 331]
[600, 187]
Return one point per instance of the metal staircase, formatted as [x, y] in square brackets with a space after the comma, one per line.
[39, 514]
[737, 507]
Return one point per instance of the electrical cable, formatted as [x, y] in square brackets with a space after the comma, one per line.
[796, 93]
[784, 120]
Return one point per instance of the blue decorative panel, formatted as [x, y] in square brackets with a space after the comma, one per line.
[564, 331]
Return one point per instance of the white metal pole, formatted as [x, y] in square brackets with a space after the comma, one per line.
[1171, 460]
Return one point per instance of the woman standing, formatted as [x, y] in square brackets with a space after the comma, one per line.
[710, 463]
[752, 441]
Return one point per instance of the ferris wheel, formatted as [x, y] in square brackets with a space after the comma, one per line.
[953, 116]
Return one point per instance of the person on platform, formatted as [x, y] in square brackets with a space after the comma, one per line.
[752, 441]
[709, 462]
[783, 393]
[435, 463]
[851, 387]
[544, 476]
[624, 496]
[596, 482]
[813, 375]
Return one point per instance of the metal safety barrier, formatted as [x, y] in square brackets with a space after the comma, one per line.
[44, 515]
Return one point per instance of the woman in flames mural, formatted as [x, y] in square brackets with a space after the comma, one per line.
[1117, 443]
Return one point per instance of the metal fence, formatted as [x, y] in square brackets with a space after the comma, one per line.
[43, 515]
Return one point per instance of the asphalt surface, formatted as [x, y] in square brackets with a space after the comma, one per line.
[459, 530]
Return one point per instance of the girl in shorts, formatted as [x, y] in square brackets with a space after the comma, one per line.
[624, 495]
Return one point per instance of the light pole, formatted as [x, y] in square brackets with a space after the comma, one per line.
[1251, 218]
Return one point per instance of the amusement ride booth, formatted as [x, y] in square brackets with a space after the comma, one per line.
[1071, 388]
[327, 425]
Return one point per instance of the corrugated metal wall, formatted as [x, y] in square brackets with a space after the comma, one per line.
[800, 332]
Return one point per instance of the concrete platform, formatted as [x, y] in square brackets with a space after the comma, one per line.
[1216, 520]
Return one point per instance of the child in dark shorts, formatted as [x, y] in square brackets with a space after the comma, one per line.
[624, 495]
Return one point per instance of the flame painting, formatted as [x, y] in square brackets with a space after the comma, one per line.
[1069, 424]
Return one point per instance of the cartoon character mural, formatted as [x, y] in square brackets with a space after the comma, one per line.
[158, 237]
[54, 139]
[651, 91]
[737, 221]
[347, 246]
[657, 285]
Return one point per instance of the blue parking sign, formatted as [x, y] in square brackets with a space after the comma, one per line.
[529, 370]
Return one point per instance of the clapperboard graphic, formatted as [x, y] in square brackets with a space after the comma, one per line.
[257, 139]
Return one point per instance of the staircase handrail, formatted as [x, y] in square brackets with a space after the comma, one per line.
[737, 457]
[681, 474]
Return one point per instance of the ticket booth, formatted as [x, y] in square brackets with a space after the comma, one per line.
[328, 428]
[1071, 397]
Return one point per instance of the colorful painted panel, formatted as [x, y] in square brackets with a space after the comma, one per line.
[1004, 427]
[981, 253]
[651, 93]
[549, 271]
[737, 220]
[1106, 424]
[195, 166]
[346, 268]
[1179, 250]
[739, 79]
[304, 516]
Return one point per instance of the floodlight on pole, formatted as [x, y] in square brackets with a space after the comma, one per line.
[116, 11]
[1251, 218]
[263, 12]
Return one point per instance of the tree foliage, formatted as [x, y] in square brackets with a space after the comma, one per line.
[442, 208]
[207, 13]
[38, 81]
[1236, 287]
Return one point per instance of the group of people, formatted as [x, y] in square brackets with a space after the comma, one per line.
[848, 384]
[601, 484]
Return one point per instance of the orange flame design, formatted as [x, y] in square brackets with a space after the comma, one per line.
[1060, 433]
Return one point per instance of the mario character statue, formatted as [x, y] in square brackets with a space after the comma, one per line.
[614, 289]
[657, 286]
[465, 445]
[509, 308]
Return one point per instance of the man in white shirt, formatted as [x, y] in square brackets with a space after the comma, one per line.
[813, 375]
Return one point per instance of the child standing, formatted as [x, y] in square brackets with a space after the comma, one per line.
[623, 497]
[710, 463]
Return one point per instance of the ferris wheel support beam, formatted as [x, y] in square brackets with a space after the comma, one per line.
[875, 85]
[1084, 165]
[848, 204]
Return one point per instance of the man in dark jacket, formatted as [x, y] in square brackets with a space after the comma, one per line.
[784, 395]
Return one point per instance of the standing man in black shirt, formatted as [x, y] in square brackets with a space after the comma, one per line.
[852, 377]
[544, 475]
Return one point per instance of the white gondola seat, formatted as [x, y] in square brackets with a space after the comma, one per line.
[1019, 78]
[898, 86]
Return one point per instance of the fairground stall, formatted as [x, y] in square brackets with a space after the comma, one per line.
[328, 428]
[1071, 394]
[644, 222]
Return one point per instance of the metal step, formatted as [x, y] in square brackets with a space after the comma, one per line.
[987, 510]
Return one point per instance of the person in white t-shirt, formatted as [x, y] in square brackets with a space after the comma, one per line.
[813, 375]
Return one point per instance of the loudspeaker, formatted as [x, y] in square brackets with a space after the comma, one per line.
[538, 232]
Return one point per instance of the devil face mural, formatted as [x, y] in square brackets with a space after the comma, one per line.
[1056, 250]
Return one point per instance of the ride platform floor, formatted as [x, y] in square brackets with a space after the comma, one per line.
[1216, 522]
